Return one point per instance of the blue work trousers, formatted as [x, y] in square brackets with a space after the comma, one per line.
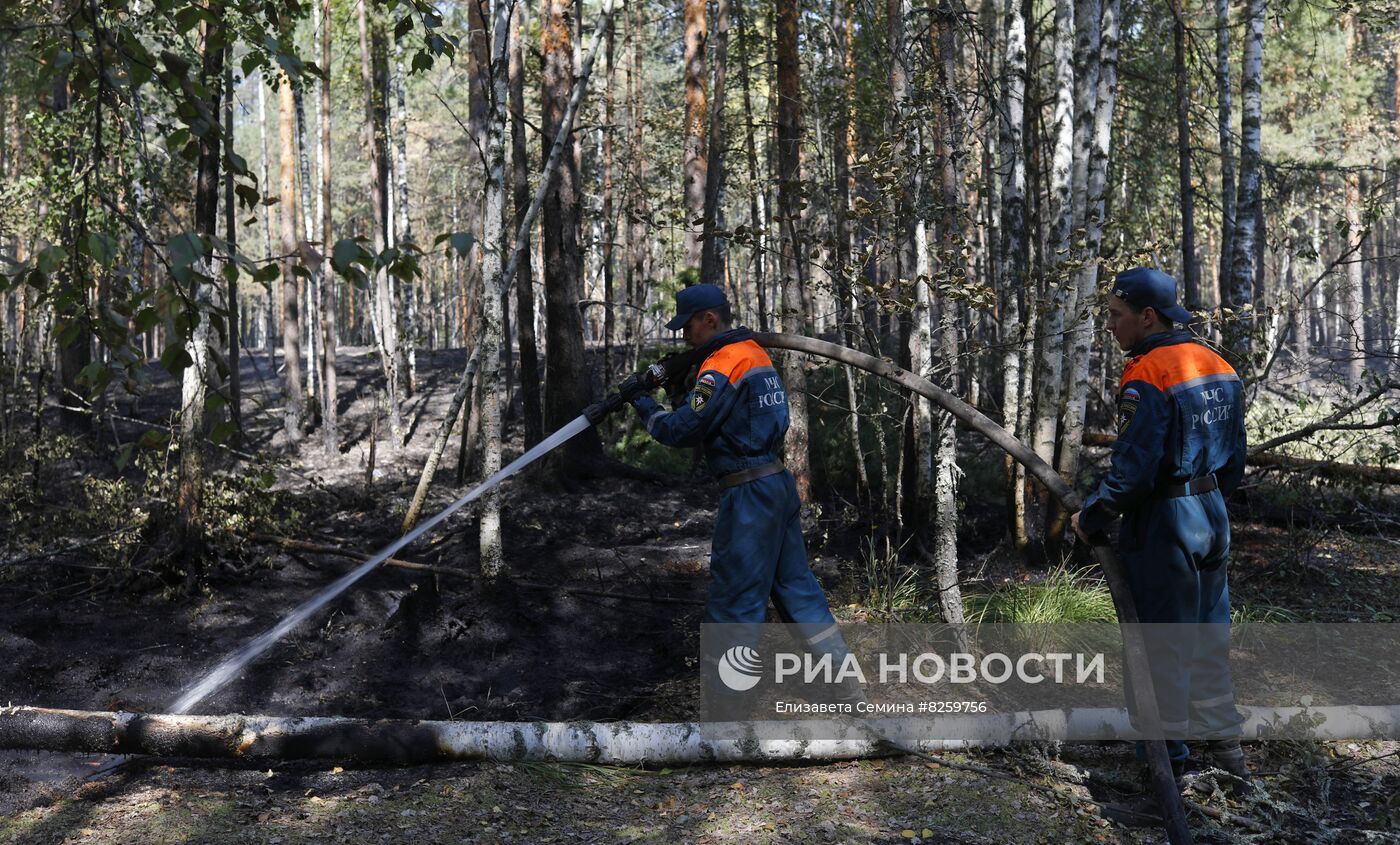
[758, 552]
[1174, 553]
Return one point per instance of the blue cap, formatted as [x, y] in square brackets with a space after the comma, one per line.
[1144, 287]
[695, 298]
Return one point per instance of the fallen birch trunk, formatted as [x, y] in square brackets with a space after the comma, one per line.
[411, 742]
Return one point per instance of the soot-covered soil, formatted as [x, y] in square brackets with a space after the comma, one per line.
[598, 619]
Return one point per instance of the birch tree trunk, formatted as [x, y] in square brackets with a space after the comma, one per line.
[524, 280]
[329, 416]
[789, 127]
[291, 308]
[609, 220]
[1224, 110]
[1243, 261]
[189, 527]
[1350, 347]
[1077, 366]
[945, 457]
[711, 253]
[385, 315]
[270, 336]
[403, 228]
[1049, 373]
[306, 288]
[235, 323]
[843, 25]
[1015, 244]
[494, 242]
[695, 125]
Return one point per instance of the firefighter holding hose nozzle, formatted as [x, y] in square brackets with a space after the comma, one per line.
[737, 412]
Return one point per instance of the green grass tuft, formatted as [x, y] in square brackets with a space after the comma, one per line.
[1066, 595]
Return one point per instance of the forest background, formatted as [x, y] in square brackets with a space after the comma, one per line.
[191, 184]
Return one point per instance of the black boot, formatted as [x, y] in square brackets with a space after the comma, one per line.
[1228, 756]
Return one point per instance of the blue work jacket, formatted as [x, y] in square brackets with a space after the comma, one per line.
[737, 410]
[1180, 417]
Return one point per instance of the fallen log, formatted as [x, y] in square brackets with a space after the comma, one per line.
[412, 742]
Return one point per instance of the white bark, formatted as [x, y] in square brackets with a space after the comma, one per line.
[403, 229]
[1082, 333]
[1224, 109]
[1049, 367]
[407, 742]
[1013, 247]
[493, 230]
[1242, 259]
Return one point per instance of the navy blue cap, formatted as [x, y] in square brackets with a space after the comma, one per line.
[1144, 287]
[695, 298]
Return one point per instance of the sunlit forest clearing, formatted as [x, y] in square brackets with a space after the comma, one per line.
[280, 281]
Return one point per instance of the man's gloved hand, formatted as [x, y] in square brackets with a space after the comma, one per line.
[635, 385]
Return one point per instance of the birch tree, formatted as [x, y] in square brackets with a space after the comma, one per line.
[494, 282]
[1049, 373]
[1077, 365]
[291, 307]
[1224, 106]
[384, 316]
[1243, 266]
[1015, 243]
[329, 421]
[198, 270]
[950, 240]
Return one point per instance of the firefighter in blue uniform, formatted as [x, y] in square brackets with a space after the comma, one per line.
[738, 413]
[1180, 452]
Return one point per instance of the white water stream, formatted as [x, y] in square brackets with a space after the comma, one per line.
[235, 662]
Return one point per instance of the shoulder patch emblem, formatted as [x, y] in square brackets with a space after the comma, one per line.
[704, 389]
[1127, 406]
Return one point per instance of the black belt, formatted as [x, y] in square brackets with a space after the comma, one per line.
[734, 479]
[1194, 487]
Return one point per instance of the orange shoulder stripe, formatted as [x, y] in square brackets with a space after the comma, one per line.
[736, 359]
[1167, 366]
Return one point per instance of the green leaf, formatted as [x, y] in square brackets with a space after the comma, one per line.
[463, 242]
[213, 402]
[251, 62]
[267, 272]
[175, 359]
[185, 249]
[237, 164]
[124, 455]
[421, 62]
[222, 432]
[100, 247]
[145, 320]
[403, 27]
[248, 196]
[154, 439]
[51, 258]
[346, 252]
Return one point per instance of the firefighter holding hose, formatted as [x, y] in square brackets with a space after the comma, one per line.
[1180, 452]
[737, 412]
